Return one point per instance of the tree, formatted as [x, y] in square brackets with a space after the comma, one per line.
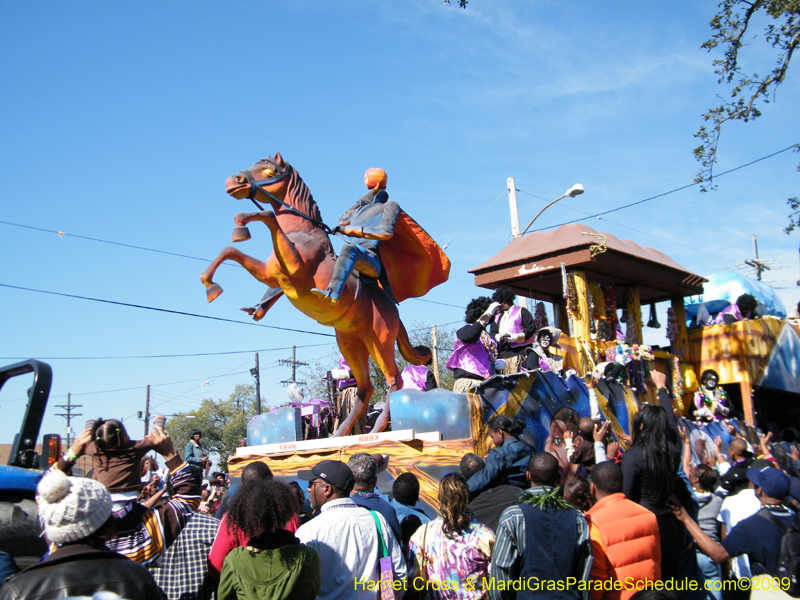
[223, 423]
[419, 334]
[731, 28]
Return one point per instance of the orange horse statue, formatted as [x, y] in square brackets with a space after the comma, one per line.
[366, 319]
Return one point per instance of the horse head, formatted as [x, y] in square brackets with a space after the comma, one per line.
[273, 180]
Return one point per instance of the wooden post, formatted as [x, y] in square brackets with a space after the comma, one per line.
[747, 401]
[634, 307]
[147, 411]
[581, 322]
[435, 357]
[258, 387]
[681, 346]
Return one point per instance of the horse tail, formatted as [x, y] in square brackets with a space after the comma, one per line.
[416, 355]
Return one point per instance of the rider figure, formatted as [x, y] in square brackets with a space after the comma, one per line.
[372, 219]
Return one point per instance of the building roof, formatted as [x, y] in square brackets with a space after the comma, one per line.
[531, 265]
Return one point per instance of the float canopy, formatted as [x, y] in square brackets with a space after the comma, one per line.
[531, 266]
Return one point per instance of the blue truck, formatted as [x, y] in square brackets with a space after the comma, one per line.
[19, 529]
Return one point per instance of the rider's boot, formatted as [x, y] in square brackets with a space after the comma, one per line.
[345, 264]
[263, 305]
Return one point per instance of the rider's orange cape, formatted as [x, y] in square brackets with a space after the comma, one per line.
[413, 262]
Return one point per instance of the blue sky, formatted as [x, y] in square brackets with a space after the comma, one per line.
[121, 122]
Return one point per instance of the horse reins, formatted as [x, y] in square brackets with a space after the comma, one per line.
[256, 185]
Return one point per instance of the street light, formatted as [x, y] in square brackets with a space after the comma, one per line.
[575, 190]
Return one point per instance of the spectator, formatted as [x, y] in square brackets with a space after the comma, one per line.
[734, 475]
[143, 533]
[488, 505]
[507, 461]
[624, 535]
[584, 454]
[184, 570]
[542, 537]
[194, 454]
[405, 490]
[76, 516]
[274, 564]
[740, 504]
[116, 459]
[759, 536]
[650, 474]
[578, 493]
[703, 479]
[230, 537]
[455, 548]
[365, 475]
[345, 535]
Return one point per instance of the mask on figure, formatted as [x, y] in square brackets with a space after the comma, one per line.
[710, 382]
[544, 340]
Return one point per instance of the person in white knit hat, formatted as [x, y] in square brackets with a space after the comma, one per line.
[75, 514]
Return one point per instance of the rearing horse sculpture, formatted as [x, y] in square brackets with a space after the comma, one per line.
[366, 320]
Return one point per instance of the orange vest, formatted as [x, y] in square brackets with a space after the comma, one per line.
[625, 543]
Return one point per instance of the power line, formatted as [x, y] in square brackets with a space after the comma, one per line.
[473, 222]
[160, 355]
[694, 183]
[572, 208]
[164, 310]
[102, 241]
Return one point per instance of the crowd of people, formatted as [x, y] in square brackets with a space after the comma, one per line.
[515, 523]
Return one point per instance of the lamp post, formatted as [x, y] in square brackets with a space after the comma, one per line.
[575, 190]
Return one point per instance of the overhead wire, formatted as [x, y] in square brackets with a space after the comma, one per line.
[164, 310]
[572, 208]
[694, 183]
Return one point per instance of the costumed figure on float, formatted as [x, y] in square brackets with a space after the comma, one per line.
[512, 327]
[474, 358]
[418, 377]
[303, 267]
[346, 396]
[540, 357]
[710, 400]
[744, 308]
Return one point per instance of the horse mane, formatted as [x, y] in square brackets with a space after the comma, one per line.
[299, 196]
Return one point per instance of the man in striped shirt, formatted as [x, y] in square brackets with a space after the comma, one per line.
[542, 547]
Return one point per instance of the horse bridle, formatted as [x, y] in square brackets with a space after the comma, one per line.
[257, 185]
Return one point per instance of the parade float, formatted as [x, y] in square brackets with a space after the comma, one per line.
[585, 275]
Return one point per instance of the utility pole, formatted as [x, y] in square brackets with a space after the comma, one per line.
[512, 205]
[435, 359]
[147, 411]
[69, 415]
[257, 374]
[755, 262]
[294, 363]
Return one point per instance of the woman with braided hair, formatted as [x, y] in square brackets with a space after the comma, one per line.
[452, 550]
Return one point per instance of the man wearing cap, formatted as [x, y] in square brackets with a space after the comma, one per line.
[345, 535]
[76, 515]
[758, 536]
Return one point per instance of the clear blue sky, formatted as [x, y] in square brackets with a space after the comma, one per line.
[121, 121]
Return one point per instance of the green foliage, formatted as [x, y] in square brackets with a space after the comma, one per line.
[223, 423]
[732, 31]
[461, 3]
[419, 333]
[547, 500]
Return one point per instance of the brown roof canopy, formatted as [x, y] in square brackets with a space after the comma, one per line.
[531, 265]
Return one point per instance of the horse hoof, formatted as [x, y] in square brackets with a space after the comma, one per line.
[213, 291]
[241, 234]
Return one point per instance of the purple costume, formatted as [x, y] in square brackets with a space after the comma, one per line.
[346, 382]
[514, 320]
[474, 358]
[415, 378]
